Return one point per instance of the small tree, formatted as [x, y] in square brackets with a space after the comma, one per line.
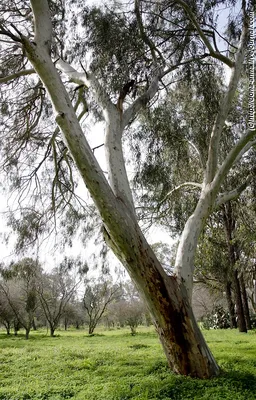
[19, 287]
[56, 289]
[97, 297]
[131, 313]
[6, 312]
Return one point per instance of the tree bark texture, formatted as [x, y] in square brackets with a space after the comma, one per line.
[168, 302]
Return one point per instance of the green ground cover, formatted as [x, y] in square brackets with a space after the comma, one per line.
[117, 366]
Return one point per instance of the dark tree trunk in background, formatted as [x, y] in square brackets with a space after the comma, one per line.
[7, 326]
[52, 330]
[233, 249]
[239, 304]
[27, 333]
[245, 302]
[34, 324]
[16, 327]
[231, 306]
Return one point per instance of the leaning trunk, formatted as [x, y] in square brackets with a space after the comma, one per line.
[168, 302]
[8, 328]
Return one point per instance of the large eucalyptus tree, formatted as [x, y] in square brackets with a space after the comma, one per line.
[132, 55]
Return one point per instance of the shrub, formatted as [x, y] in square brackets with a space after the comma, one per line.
[217, 319]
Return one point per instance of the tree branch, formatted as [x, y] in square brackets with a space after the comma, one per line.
[233, 194]
[202, 35]
[89, 80]
[144, 99]
[224, 108]
[15, 75]
[42, 22]
[144, 36]
[235, 154]
[195, 185]
[197, 152]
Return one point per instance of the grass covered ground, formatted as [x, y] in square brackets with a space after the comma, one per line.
[118, 366]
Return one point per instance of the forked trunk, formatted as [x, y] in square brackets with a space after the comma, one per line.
[168, 299]
[168, 302]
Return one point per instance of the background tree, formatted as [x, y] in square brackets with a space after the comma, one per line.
[18, 284]
[96, 299]
[6, 313]
[56, 289]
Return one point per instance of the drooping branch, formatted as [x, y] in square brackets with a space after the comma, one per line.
[8, 78]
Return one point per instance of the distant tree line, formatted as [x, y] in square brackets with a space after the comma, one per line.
[32, 298]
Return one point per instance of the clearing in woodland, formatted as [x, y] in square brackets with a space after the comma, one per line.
[113, 365]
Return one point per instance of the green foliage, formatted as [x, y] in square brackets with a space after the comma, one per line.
[118, 366]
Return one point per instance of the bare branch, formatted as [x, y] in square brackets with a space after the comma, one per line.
[141, 101]
[197, 152]
[6, 32]
[144, 99]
